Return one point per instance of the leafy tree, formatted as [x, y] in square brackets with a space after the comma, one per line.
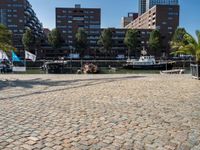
[189, 46]
[131, 40]
[28, 39]
[5, 38]
[81, 41]
[178, 39]
[155, 43]
[106, 40]
[179, 35]
[55, 38]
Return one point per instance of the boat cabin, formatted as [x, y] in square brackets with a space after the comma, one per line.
[146, 60]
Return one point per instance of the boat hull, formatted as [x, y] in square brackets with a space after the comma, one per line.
[149, 67]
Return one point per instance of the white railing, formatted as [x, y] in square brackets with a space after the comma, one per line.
[195, 70]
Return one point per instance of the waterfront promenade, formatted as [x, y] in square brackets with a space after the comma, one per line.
[80, 112]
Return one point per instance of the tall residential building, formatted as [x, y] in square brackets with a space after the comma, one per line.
[142, 6]
[151, 3]
[69, 20]
[165, 18]
[128, 19]
[18, 16]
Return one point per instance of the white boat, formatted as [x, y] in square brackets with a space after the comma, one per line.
[147, 62]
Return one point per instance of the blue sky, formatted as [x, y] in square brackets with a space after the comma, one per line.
[113, 10]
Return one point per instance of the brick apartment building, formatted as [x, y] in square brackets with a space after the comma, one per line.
[165, 18]
[69, 20]
[18, 16]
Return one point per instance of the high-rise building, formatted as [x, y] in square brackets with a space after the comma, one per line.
[128, 19]
[142, 6]
[17, 16]
[69, 20]
[151, 3]
[164, 18]
[145, 5]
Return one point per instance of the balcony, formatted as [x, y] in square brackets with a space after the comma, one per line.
[30, 11]
[30, 25]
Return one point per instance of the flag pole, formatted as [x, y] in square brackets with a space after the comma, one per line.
[25, 58]
[12, 60]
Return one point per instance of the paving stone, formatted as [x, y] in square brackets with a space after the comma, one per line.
[33, 138]
[27, 147]
[99, 112]
[57, 147]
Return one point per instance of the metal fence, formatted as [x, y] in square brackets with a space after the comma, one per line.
[195, 70]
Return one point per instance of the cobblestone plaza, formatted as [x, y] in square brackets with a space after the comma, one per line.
[108, 112]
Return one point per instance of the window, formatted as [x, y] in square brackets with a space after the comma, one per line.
[61, 26]
[93, 42]
[170, 18]
[170, 28]
[173, 14]
[95, 26]
[12, 26]
[157, 27]
[78, 18]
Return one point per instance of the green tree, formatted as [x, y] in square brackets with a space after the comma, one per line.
[81, 41]
[28, 40]
[179, 35]
[178, 39]
[189, 46]
[105, 40]
[131, 41]
[155, 43]
[5, 38]
[55, 38]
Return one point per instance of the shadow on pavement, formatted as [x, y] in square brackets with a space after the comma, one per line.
[76, 83]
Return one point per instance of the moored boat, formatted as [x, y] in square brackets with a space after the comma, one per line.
[147, 63]
[56, 67]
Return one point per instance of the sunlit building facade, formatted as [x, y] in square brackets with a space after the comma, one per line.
[17, 16]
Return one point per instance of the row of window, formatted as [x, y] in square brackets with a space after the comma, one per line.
[90, 32]
[70, 21]
[81, 26]
[78, 11]
[75, 17]
[15, 5]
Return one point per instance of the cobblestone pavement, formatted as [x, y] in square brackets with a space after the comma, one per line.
[129, 112]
